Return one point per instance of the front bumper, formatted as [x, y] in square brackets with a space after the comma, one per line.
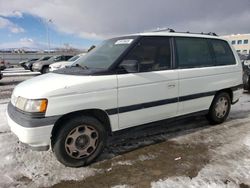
[35, 132]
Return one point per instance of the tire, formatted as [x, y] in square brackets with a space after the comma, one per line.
[45, 70]
[75, 138]
[219, 108]
[246, 81]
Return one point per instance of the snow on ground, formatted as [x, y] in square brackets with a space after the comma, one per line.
[22, 167]
[18, 72]
[230, 156]
[121, 186]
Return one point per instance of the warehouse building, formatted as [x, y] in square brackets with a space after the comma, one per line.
[241, 42]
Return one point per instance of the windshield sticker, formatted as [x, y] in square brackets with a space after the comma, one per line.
[124, 41]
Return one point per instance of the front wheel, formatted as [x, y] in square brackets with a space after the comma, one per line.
[246, 81]
[45, 70]
[79, 141]
[219, 108]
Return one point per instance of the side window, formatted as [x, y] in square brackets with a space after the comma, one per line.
[152, 54]
[193, 52]
[223, 53]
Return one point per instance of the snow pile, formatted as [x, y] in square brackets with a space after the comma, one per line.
[23, 167]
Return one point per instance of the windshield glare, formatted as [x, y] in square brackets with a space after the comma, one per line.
[103, 56]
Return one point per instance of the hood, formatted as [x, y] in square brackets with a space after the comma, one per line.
[61, 63]
[40, 62]
[53, 85]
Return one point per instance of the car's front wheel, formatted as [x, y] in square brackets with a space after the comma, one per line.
[45, 70]
[219, 108]
[246, 82]
[79, 141]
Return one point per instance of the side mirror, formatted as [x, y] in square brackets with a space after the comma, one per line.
[131, 66]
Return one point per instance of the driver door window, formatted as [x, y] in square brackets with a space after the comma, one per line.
[152, 54]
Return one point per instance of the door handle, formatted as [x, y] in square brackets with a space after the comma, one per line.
[171, 85]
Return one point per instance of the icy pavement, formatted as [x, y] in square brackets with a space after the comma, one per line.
[11, 77]
[21, 167]
[229, 149]
[18, 72]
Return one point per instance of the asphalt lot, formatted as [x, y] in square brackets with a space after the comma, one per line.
[185, 153]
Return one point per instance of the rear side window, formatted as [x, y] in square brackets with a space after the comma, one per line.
[193, 52]
[223, 53]
[152, 53]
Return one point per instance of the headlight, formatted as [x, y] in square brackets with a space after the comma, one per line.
[31, 105]
[13, 100]
[57, 66]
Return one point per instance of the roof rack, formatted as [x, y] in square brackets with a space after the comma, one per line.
[173, 31]
[164, 29]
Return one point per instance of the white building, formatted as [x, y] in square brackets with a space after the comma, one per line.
[241, 42]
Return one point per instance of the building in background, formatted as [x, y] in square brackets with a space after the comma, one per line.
[241, 42]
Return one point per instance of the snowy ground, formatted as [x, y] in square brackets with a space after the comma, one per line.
[187, 153]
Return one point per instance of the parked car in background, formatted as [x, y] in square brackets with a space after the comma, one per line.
[29, 63]
[125, 82]
[63, 64]
[26, 63]
[246, 73]
[43, 66]
[21, 63]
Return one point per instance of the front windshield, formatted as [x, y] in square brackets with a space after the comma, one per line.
[44, 58]
[103, 56]
[53, 57]
[74, 58]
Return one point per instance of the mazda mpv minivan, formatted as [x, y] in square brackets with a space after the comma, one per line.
[125, 82]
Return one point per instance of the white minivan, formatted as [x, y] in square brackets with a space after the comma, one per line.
[125, 82]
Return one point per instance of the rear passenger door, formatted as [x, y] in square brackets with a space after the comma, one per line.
[205, 66]
[197, 75]
[150, 94]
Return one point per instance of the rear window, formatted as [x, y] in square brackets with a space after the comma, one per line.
[223, 53]
[193, 52]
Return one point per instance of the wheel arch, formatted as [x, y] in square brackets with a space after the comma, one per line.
[99, 114]
[229, 91]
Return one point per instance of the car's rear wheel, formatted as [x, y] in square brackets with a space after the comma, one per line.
[219, 108]
[79, 141]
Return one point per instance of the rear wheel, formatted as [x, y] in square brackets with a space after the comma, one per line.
[79, 141]
[219, 108]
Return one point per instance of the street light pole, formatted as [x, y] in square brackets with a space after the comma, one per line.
[48, 34]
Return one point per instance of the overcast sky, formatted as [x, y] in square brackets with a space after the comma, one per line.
[83, 22]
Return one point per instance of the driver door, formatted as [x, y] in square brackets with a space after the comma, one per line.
[150, 94]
